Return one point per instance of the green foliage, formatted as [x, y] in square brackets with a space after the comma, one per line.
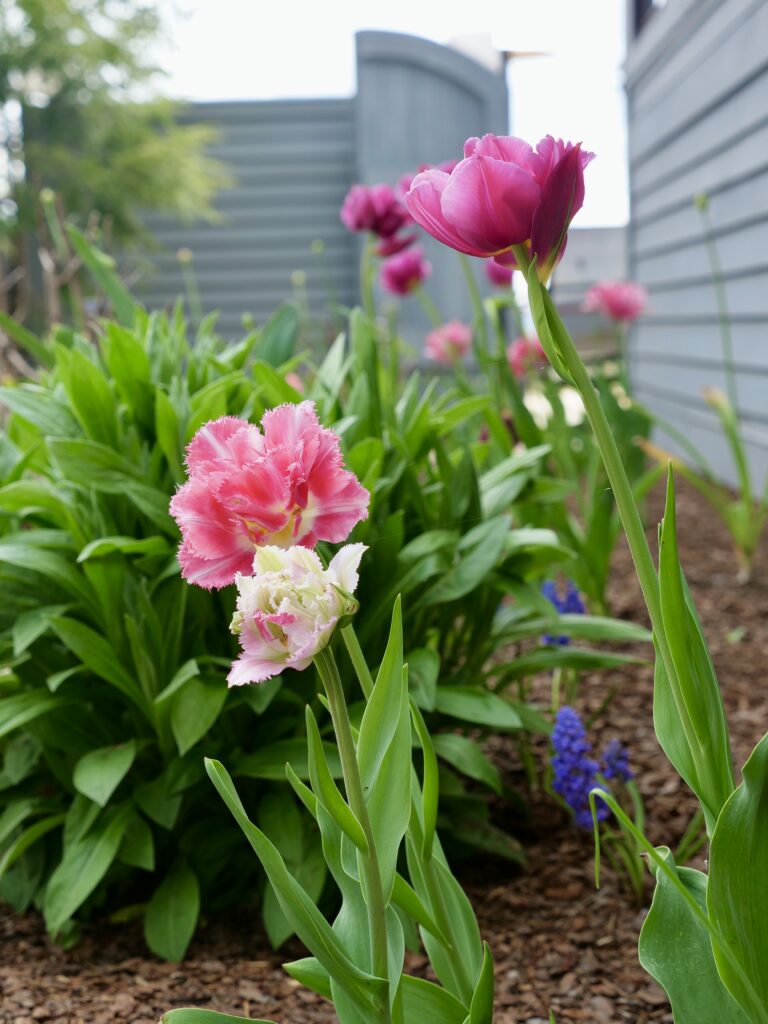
[114, 669]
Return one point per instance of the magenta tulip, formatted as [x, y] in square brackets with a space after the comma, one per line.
[499, 275]
[504, 194]
[620, 301]
[449, 343]
[525, 354]
[401, 274]
[374, 208]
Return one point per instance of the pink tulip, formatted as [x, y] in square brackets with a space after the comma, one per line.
[283, 487]
[401, 274]
[295, 381]
[449, 343]
[523, 354]
[374, 208]
[622, 301]
[499, 275]
[502, 194]
[406, 180]
[289, 607]
[395, 244]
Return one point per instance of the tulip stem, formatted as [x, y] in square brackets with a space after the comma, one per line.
[374, 892]
[366, 278]
[428, 306]
[625, 503]
[357, 658]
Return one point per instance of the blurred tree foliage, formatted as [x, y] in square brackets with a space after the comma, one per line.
[79, 115]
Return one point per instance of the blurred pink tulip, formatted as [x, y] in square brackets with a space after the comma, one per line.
[395, 244]
[449, 343]
[283, 487]
[504, 193]
[295, 381]
[374, 208]
[499, 275]
[402, 273]
[621, 301]
[523, 354]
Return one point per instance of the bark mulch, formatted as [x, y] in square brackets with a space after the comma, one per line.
[558, 943]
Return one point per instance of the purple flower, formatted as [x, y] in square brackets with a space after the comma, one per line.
[569, 603]
[616, 762]
[575, 771]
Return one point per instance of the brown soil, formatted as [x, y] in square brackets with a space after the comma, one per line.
[557, 942]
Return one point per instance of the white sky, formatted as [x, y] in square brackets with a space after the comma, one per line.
[249, 49]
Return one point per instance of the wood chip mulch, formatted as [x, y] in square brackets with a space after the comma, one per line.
[558, 943]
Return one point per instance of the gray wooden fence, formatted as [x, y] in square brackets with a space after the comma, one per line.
[292, 163]
[697, 85]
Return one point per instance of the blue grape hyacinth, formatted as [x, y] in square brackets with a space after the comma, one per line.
[575, 771]
[616, 762]
[569, 603]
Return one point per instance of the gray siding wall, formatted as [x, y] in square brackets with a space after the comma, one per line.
[697, 84]
[292, 163]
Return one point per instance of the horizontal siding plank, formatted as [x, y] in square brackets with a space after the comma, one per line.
[738, 251]
[727, 168]
[747, 297]
[709, 83]
[683, 344]
[687, 384]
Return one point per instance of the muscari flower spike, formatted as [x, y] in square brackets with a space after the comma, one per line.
[575, 771]
[569, 603]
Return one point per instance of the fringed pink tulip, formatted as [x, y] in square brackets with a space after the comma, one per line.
[401, 274]
[621, 301]
[524, 354]
[289, 607]
[246, 488]
[499, 275]
[449, 343]
[374, 208]
[504, 194]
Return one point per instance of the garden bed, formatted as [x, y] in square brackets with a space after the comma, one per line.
[556, 941]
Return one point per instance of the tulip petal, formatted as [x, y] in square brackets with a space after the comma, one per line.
[424, 205]
[490, 204]
[344, 566]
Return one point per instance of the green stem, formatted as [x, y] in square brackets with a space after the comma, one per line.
[623, 351]
[357, 658]
[428, 306]
[481, 328]
[625, 503]
[367, 272]
[377, 921]
[722, 307]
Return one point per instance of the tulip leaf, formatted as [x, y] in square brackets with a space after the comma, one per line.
[172, 913]
[190, 1016]
[481, 1008]
[675, 947]
[98, 773]
[738, 897]
[326, 789]
[304, 917]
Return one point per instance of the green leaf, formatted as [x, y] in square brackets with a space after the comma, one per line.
[195, 708]
[480, 706]
[325, 788]
[738, 897]
[384, 753]
[278, 337]
[91, 399]
[102, 268]
[464, 754]
[29, 836]
[546, 658]
[172, 913]
[269, 761]
[481, 1008]
[675, 947]
[168, 433]
[423, 672]
[98, 774]
[36, 347]
[82, 867]
[37, 406]
[125, 545]
[95, 652]
[430, 786]
[24, 707]
[138, 845]
[427, 1003]
[691, 705]
[481, 549]
[309, 973]
[304, 917]
[54, 567]
[32, 624]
